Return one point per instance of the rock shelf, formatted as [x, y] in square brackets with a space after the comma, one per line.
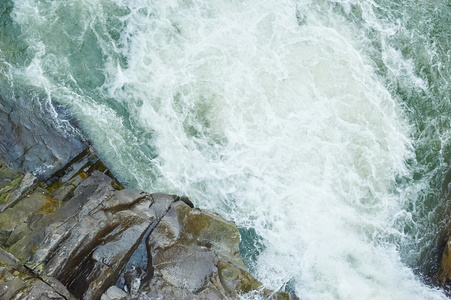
[81, 235]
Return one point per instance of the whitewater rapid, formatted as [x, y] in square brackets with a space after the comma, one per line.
[273, 114]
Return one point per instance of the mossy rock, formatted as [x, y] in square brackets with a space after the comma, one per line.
[14, 184]
[7, 176]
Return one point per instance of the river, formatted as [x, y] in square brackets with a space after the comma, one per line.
[322, 128]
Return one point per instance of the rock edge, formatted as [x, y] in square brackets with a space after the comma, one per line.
[81, 235]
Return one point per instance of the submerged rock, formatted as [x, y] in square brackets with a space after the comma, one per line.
[81, 235]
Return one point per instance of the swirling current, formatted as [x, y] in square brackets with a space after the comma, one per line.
[320, 127]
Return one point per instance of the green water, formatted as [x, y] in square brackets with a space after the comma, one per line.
[419, 33]
[281, 116]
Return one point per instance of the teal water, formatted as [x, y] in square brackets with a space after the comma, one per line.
[320, 127]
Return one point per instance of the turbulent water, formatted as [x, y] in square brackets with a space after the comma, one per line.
[322, 128]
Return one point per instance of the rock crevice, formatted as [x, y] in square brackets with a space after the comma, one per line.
[80, 235]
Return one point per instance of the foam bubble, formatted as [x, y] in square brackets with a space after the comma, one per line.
[269, 113]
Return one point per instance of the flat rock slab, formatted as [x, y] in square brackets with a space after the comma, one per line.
[16, 189]
[7, 176]
[16, 282]
[34, 137]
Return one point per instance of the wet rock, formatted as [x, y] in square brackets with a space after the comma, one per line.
[445, 266]
[443, 276]
[186, 200]
[10, 284]
[114, 293]
[7, 176]
[35, 134]
[87, 234]
[81, 235]
[37, 289]
[183, 267]
[7, 259]
[16, 282]
[195, 255]
[124, 199]
[18, 188]
[133, 278]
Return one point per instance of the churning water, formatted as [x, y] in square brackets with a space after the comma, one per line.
[322, 128]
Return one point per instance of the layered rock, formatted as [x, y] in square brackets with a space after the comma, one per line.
[81, 235]
[35, 134]
[19, 283]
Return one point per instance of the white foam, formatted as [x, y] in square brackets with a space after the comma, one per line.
[280, 126]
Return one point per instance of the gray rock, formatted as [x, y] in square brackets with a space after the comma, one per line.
[35, 134]
[17, 283]
[14, 191]
[37, 289]
[81, 236]
[10, 284]
[124, 199]
[8, 259]
[161, 203]
[114, 293]
[188, 255]
[186, 268]
[7, 176]
[133, 278]
[186, 200]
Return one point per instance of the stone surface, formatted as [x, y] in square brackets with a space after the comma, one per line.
[445, 266]
[195, 255]
[114, 293]
[35, 133]
[16, 189]
[17, 282]
[80, 235]
[443, 275]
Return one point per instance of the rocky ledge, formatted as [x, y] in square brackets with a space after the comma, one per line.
[443, 276]
[80, 235]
